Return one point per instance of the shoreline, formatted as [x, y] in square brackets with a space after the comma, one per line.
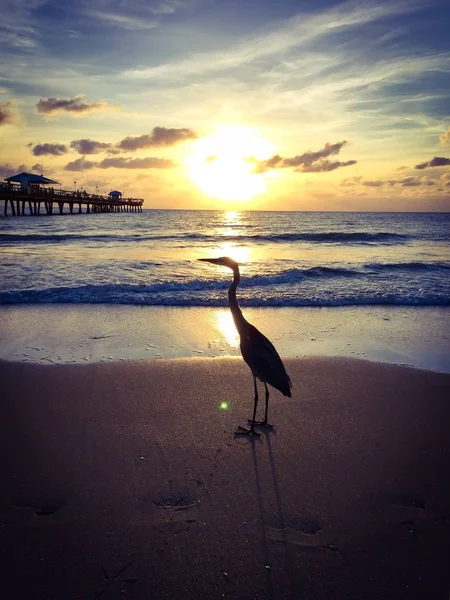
[74, 334]
[126, 479]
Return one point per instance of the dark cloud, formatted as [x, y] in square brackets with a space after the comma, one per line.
[160, 136]
[136, 163]
[308, 158]
[378, 183]
[80, 164]
[6, 170]
[409, 182]
[48, 149]
[308, 162]
[412, 182]
[76, 105]
[322, 166]
[275, 162]
[437, 161]
[8, 114]
[85, 146]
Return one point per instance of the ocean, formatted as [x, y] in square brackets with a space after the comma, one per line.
[288, 259]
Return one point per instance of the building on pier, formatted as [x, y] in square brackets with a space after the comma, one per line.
[29, 181]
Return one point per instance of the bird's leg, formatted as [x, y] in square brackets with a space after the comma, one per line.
[264, 423]
[267, 404]
[251, 431]
[255, 402]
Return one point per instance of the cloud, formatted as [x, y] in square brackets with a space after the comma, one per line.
[411, 181]
[322, 166]
[125, 21]
[308, 162]
[160, 136]
[136, 163]
[8, 113]
[437, 161]
[293, 33]
[6, 169]
[308, 158]
[48, 149]
[445, 137]
[81, 164]
[76, 105]
[351, 181]
[86, 146]
[17, 37]
[377, 183]
[135, 16]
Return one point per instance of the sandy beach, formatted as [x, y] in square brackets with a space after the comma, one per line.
[125, 480]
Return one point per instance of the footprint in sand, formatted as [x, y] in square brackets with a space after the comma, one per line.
[41, 509]
[297, 530]
[178, 510]
[420, 512]
[116, 581]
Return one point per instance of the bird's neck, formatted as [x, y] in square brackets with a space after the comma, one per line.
[238, 317]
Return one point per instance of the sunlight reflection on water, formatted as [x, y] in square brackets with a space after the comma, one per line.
[224, 322]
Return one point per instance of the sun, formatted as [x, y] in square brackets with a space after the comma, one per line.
[221, 164]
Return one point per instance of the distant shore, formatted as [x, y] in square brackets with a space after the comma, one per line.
[126, 480]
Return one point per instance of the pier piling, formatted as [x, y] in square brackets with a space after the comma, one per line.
[17, 198]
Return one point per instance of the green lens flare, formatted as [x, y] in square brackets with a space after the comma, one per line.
[224, 405]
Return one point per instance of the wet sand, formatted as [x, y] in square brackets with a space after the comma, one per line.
[125, 480]
[61, 334]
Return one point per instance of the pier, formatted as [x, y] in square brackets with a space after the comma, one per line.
[30, 200]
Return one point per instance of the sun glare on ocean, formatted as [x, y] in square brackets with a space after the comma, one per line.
[221, 166]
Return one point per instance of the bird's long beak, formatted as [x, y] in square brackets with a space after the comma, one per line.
[214, 261]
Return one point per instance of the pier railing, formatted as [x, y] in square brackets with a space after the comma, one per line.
[34, 196]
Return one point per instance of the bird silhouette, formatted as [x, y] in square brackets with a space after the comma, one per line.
[258, 352]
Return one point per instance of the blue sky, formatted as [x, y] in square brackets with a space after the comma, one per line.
[301, 77]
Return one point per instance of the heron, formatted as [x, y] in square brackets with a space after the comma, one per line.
[257, 351]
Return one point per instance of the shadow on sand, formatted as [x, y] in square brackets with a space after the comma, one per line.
[257, 445]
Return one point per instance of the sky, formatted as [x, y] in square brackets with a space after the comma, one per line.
[269, 104]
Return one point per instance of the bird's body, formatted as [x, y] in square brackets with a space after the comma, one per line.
[264, 361]
[258, 352]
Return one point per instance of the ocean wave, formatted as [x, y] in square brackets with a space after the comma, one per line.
[337, 237]
[6, 238]
[322, 279]
[331, 237]
[139, 296]
[409, 266]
